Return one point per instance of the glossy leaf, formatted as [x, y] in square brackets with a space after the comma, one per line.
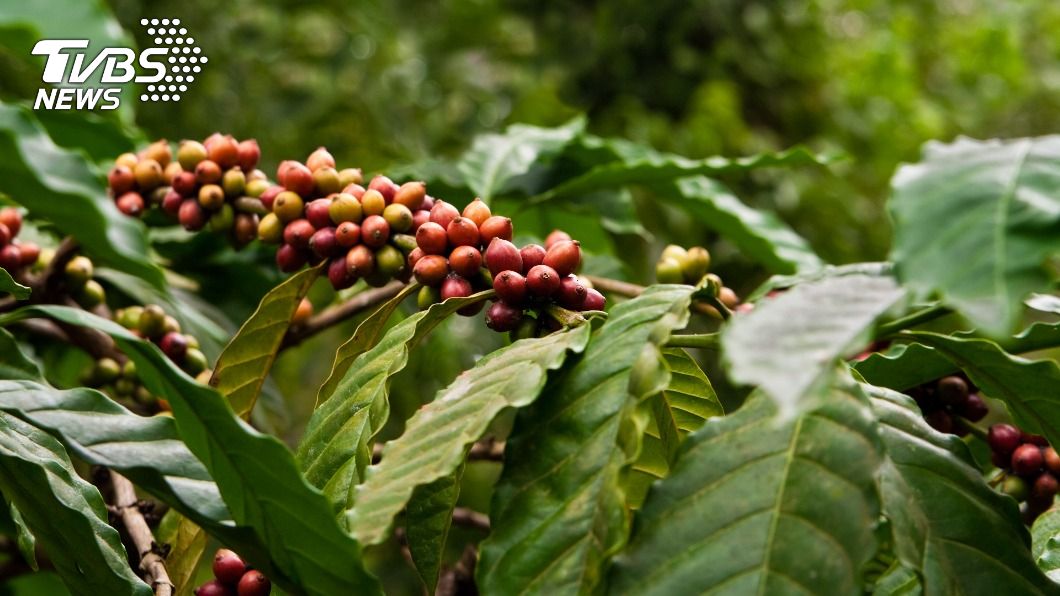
[761, 504]
[495, 161]
[438, 435]
[244, 364]
[428, 517]
[789, 343]
[27, 542]
[558, 509]
[66, 514]
[9, 286]
[989, 206]
[1045, 543]
[335, 449]
[1044, 303]
[187, 542]
[945, 517]
[255, 473]
[783, 282]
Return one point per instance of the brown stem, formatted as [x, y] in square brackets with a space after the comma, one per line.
[151, 562]
[337, 314]
[460, 578]
[46, 285]
[629, 290]
[471, 519]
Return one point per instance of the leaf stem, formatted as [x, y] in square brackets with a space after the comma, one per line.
[974, 429]
[339, 313]
[709, 341]
[918, 318]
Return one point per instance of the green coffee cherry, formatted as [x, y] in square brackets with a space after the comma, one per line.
[1015, 487]
[428, 296]
[128, 371]
[172, 325]
[124, 387]
[668, 271]
[91, 294]
[194, 361]
[675, 252]
[223, 219]
[143, 396]
[106, 370]
[389, 261]
[696, 265]
[713, 284]
[270, 229]
[129, 317]
[234, 182]
[152, 321]
[345, 207]
[255, 188]
[193, 343]
[78, 271]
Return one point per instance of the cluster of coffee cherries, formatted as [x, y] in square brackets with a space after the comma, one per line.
[1030, 467]
[77, 275]
[15, 256]
[678, 265]
[214, 184]
[232, 577]
[319, 214]
[947, 402]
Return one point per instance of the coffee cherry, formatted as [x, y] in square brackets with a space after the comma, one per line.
[345, 207]
[317, 212]
[211, 197]
[148, 174]
[432, 238]
[169, 172]
[427, 296]
[1051, 459]
[532, 256]
[419, 218]
[728, 297]
[431, 270]
[360, 261]
[131, 204]
[355, 190]
[339, 275]
[477, 211]
[288, 206]
[248, 154]
[348, 176]
[223, 150]
[1045, 486]
[158, 151]
[289, 258]
[326, 181]
[5, 235]
[12, 219]
[348, 234]
[952, 390]
[411, 195]
[696, 264]
[564, 256]
[1003, 438]
[190, 153]
[415, 255]
[571, 293]
[268, 198]
[465, 261]
[1026, 459]
[185, 184]
[556, 236]
[234, 182]
[323, 243]
[152, 321]
[256, 188]
[1015, 487]
[373, 202]
[502, 255]
[594, 300]
[527, 328]
[245, 228]
[542, 281]
[501, 316]
[1038, 440]
[455, 286]
[228, 567]
[121, 180]
[208, 172]
[29, 253]
[321, 158]
[375, 231]
[974, 408]
[462, 232]
[389, 261]
[270, 229]
[78, 271]
[510, 287]
[174, 346]
[399, 217]
[384, 186]
[254, 583]
[495, 227]
[442, 213]
[90, 295]
[940, 420]
[298, 179]
[298, 232]
[213, 588]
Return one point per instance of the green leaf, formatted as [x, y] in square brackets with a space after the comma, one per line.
[1044, 303]
[427, 521]
[10, 286]
[761, 504]
[783, 282]
[494, 162]
[976, 223]
[903, 366]
[255, 473]
[898, 580]
[558, 511]
[27, 542]
[244, 364]
[759, 235]
[335, 449]
[364, 337]
[789, 343]
[187, 542]
[58, 185]
[65, 513]
[1045, 543]
[438, 435]
[962, 536]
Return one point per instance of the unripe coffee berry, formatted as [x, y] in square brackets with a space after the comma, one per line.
[298, 232]
[1003, 438]
[1027, 459]
[360, 261]
[431, 270]
[211, 197]
[288, 206]
[12, 218]
[375, 231]
[318, 213]
[223, 150]
[323, 243]
[554, 237]
[348, 234]
[320, 158]
[78, 271]
[148, 174]
[696, 264]
[389, 261]
[501, 316]
[249, 153]
[289, 258]
[594, 300]
[256, 188]
[120, 179]
[532, 256]
[152, 321]
[564, 256]
[542, 281]
[411, 195]
[234, 182]
[477, 211]
[668, 271]
[399, 217]
[384, 186]
[348, 176]
[326, 181]
[1015, 487]
[372, 203]
[465, 261]
[270, 229]
[443, 213]
[571, 293]
[432, 238]
[345, 207]
[254, 583]
[495, 227]
[190, 153]
[462, 232]
[131, 204]
[510, 287]
[339, 275]
[298, 179]
[208, 172]
[427, 296]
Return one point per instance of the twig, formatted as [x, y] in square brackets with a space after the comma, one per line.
[151, 562]
[45, 287]
[339, 313]
[472, 519]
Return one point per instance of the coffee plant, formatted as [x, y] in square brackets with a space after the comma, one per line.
[661, 414]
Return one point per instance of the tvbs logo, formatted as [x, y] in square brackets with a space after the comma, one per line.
[82, 80]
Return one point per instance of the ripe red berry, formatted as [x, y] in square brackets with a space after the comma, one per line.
[245, 228]
[354, 189]
[477, 211]
[298, 232]
[1035, 440]
[121, 180]
[442, 213]
[290, 258]
[360, 261]
[940, 420]
[213, 588]
[269, 196]
[556, 236]
[415, 255]
[502, 255]
[224, 151]
[501, 316]
[348, 234]
[572, 293]
[228, 567]
[375, 231]
[298, 179]
[174, 345]
[5, 235]
[952, 390]
[432, 239]
[1045, 486]
[419, 218]
[1027, 459]
[12, 218]
[495, 227]
[542, 281]
[462, 232]
[185, 184]
[411, 195]
[385, 186]
[594, 300]
[29, 252]
[1003, 438]
[564, 256]
[253, 583]
[207, 172]
[339, 275]
[323, 242]
[532, 255]
[465, 261]
[249, 154]
[431, 270]
[191, 215]
[321, 158]
[10, 257]
[318, 212]
[131, 204]
[510, 287]
[974, 408]
[455, 286]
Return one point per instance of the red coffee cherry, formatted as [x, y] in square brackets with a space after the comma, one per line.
[213, 588]
[348, 234]
[542, 281]
[224, 151]
[249, 155]
[360, 261]
[29, 252]
[502, 255]
[321, 158]
[298, 179]
[532, 255]
[228, 567]
[432, 238]
[510, 287]
[462, 232]
[556, 236]
[455, 286]
[12, 218]
[431, 270]
[564, 256]
[10, 257]
[375, 231]
[477, 211]
[339, 275]
[419, 218]
[1027, 459]
[185, 184]
[1045, 486]
[1035, 440]
[269, 196]
[952, 390]
[385, 186]
[289, 258]
[254, 583]
[174, 345]
[411, 195]
[298, 232]
[318, 212]
[1003, 438]
[442, 213]
[131, 204]
[415, 255]
[572, 293]
[171, 203]
[594, 300]
[465, 261]
[495, 227]
[501, 316]
[940, 420]
[5, 235]
[323, 243]
[121, 180]
[245, 228]
[973, 408]
[191, 215]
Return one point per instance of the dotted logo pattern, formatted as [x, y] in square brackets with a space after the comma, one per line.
[184, 61]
